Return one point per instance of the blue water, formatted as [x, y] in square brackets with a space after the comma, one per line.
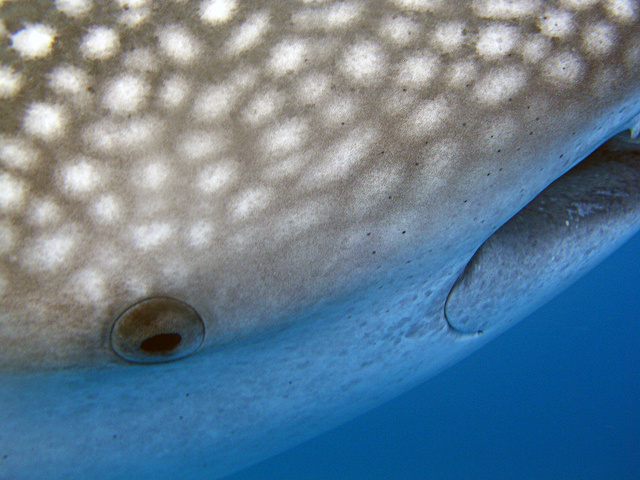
[557, 397]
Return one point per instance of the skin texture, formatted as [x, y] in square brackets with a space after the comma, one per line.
[310, 177]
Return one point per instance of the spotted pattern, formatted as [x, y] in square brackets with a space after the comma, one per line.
[142, 141]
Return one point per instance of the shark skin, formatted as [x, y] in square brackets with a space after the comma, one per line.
[309, 180]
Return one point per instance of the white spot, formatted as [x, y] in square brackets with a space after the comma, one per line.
[419, 5]
[364, 62]
[10, 82]
[217, 11]
[248, 34]
[339, 109]
[428, 117]
[125, 94]
[73, 8]
[174, 91]
[500, 85]
[33, 40]
[496, 41]
[79, 178]
[89, 286]
[462, 73]
[449, 37]
[288, 56]
[106, 209]
[215, 102]
[313, 87]
[263, 107]
[45, 212]
[49, 252]
[535, 48]
[564, 68]
[625, 11]
[599, 38]
[99, 43]
[418, 70]
[400, 30]
[44, 120]
[284, 138]
[215, 177]
[12, 193]
[200, 234]
[557, 23]
[250, 201]
[198, 145]
[16, 153]
[505, 9]
[68, 80]
[344, 155]
[179, 44]
[152, 235]
[152, 175]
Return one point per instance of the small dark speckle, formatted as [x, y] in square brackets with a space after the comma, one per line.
[368, 234]
[427, 142]
[465, 201]
[561, 155]
[373, 253]
[180, 417]
[489, 174]
[115, 436]
[530, 133]
[187, 395]
[389, 197]
[341, 123]
[500, 168]
[404, 231]
[480, 332]
[290, 382]
[408, 261]
[4, 457]
[404, 89]
[417, 164]
[499, 150]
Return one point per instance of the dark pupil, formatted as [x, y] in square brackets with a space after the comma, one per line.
[164, 342]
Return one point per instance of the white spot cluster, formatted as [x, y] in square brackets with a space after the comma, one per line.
[165, 130]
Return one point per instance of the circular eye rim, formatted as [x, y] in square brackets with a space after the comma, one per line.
[157, 317]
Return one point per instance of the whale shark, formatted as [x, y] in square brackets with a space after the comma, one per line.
[228, 226]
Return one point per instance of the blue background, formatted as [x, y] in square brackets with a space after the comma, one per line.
[556, 397]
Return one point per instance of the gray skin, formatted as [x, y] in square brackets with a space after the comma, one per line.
[311, 178]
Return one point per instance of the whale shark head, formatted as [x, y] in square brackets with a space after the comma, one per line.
[227, 226]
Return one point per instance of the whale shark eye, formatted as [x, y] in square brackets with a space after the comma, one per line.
[157, 330]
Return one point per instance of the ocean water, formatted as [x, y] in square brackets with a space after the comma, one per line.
[556, 397]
